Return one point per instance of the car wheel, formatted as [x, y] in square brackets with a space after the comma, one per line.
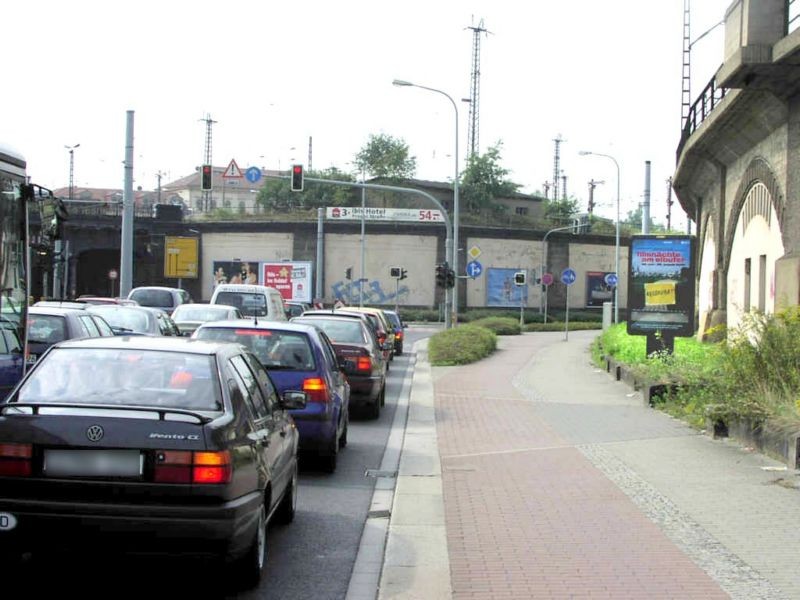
[329, 460]
[288, 506]
[374, 410]
[383, 396]
[343, 439]
[249, 567]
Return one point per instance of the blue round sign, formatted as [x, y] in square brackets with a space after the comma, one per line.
[474, 269]
[611, 279]
[568, 276]
[253, 174]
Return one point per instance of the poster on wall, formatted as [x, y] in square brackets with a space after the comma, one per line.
[597, 290]
[235, 272]
[661, 290]
[291, 279]
[501, 290]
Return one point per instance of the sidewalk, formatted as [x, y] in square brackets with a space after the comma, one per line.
[532, 474]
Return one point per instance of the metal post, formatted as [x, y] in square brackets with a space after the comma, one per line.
[363, 255]
[320, 242]
[646, 203]
[126, 243]
[566, 320]
[396, 291]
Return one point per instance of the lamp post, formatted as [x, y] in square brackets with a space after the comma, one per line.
[616, 246]
[454, 253]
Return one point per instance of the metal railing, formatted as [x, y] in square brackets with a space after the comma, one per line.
[105, 209]
[702, 107]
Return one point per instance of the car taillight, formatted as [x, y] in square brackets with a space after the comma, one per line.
[192, 467]
[398, 335]
[317, 389]
[381, 338]
[364, 363]
[15, 460]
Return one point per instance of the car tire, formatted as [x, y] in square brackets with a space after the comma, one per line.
[286, 510]
[330, 459]
[383, 396]
[343, 439]
[374, 410]
[248, 568]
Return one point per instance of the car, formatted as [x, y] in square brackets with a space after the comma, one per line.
[143, 444]
[382, 325]
[295, 308]
[297, 357]
[165, 298]
[189, 317]
[76, 305]
[359, 353]
[136, 320]
[107, 300]
[399, 327]
[251, 300]
[48, 326]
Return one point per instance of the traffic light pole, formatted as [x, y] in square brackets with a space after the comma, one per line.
[448, 322]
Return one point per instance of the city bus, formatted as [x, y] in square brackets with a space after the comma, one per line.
[14, 261]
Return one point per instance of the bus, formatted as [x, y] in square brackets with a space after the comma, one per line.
[14, 261]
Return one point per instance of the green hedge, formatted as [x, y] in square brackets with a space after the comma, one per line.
[550, 326]
[499, 325]
[461, 345]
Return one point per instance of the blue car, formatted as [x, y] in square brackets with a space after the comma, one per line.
[297, 357]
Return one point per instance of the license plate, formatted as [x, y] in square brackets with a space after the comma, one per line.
[93, 463]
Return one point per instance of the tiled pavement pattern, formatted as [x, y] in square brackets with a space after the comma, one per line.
[528, 515]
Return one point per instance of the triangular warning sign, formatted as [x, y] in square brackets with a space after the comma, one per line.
[232, 171]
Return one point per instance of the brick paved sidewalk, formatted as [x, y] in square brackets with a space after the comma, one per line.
[527, 514]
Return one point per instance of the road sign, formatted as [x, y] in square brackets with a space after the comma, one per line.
[568, 276]
[180, 257]
[353, 213]
[253, 174]
[547, 279]
[474, 252]
[611, 279]
[474, 268]
[113, 274]
[232, 171]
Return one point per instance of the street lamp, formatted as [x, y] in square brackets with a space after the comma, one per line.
[454, 264]
[616, 247]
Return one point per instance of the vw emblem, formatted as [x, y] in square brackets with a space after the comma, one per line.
[94, 433]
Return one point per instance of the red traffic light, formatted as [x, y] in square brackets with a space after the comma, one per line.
[297, 178]
[205, 179]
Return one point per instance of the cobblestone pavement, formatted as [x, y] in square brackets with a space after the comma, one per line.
[559, 483]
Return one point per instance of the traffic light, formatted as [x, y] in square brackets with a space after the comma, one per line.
[297, 178]
[402, 274]
[441, 274]
[519, 278]
[205, 178]
[451, 278]
[394, 272]
[348, 273]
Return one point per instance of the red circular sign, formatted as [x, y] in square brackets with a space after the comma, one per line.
[547, 279]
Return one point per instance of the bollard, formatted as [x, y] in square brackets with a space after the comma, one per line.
[607, 315]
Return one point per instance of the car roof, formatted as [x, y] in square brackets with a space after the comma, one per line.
[54, 310]
[154, 287]
[339, 312]
[62, 304]
[206, 305]
[261, 324]
[135, 342]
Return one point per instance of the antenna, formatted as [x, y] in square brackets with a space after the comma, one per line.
[473, 134]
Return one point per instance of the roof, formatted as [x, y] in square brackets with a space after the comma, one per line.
[261, 324]
[60, 304]
[154, 343]
[54, 310]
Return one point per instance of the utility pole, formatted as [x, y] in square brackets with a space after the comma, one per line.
[546, 185]
[557, 166]
[208, 200]
[646, 203]
[473, 134]
[564, 186]
[669, 204]
[126, 241]
[592, 184]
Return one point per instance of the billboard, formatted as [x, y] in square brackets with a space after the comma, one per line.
[226, 271]
[597, 290]
[501, 290]
[291, 279]
[661, 290]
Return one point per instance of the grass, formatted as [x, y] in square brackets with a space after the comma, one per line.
[754, 374]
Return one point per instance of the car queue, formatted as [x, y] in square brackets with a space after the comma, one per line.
[122, 416]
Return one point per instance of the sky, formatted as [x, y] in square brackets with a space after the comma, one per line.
[604, 76]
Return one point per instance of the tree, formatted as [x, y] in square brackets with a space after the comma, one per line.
[634, 220]
[276, 193]
[386, 157]
[560, 212]
[483, 180]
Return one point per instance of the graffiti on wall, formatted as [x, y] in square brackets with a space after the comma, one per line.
[371, 293]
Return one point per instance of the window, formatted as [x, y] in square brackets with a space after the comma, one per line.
[521, 210]
[153, 298]
[46, 329]
[746, 284]
[89, 326]
[102, 326]
[250, 382]
[266, 383]
[762, 283]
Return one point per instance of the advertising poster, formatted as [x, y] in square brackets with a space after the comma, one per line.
[235, 272]
[501, 291]
[597, 290]
[661, 290]
[291, 279]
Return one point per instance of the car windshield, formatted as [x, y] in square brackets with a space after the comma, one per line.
[249, 304]
[125, 377]
[275, 349]
[338, 330]
[152, 297]
[203, 312]
[46, 329]
[121, 317]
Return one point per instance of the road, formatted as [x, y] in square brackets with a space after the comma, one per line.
[310, 558]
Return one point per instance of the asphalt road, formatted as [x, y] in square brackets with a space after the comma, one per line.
[310, 558]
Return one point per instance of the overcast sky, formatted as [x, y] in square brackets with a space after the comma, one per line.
[606, 76]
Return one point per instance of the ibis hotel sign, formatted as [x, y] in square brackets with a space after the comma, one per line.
[354, 213]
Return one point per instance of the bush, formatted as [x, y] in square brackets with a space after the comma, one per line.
[461, 345]
[499, 325]
[555, 326]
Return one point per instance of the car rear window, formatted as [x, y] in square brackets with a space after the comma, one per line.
[125, 377]
[46, 329]
[339, 330]
[203, 313]
[275, 349]
[248, 304]
[153, 298]
[122, 317]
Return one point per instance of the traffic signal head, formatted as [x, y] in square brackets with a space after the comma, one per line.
[205, 178]
[441, 274]
[348, 273]
[451, 278]
[519, 278]
[394, 272]
[297, 178]
[403, 274]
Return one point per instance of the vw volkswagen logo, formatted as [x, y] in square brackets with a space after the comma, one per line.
[94, 433]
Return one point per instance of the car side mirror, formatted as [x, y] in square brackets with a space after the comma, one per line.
[292, 399]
